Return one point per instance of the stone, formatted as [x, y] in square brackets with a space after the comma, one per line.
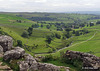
[1, 49]
[23, 66]
[6, 42]
[88, 60]
[15, 53]
[32, 65]
[29, 59]
[48, 67]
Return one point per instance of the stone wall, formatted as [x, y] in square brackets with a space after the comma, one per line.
[90, 61]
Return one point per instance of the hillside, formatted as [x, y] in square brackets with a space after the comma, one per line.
[49, 34]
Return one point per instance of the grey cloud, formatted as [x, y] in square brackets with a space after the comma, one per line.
[49, 5]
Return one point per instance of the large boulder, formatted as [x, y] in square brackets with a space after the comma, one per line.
[6, 42]
[15, 53]
[1, 49]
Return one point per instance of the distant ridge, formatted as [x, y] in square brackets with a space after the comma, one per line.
[86, 12]
[76, 12]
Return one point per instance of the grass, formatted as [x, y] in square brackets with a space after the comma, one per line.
[14, 29]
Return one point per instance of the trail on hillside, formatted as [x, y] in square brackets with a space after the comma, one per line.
[69, 46]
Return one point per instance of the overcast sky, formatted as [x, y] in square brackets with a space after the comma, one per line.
[49, 5]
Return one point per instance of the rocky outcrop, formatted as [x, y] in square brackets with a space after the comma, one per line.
[31, 65]
[15, 53]
[89, 61]
[6, 42]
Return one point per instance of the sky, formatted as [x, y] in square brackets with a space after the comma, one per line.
[49, 5]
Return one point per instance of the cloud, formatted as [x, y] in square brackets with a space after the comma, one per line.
[49, 5]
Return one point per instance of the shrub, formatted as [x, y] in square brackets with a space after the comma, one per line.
[62, 69]
[54, 49]
[77, 33]
[50, 51]
[47, 58]
[25, 34]
[19, 43]
[49, 39]
[58, 35]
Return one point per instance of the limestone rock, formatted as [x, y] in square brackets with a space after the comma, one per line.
[89, 60]
[1, 49]
[31, 65]
[47, 67]
[23, 66]
[16, 53]
[6, 42]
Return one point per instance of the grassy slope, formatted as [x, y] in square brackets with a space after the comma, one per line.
[14, 29]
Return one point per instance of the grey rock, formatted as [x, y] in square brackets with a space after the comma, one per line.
[23, 66]
[16, 53]
[1, 49]
[29, 59]
[89, 60]
[6, 42]
[33, 65]
[48, 67]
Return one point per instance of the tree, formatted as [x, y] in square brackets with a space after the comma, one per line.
[98, 22]
[30, 29]
[73, 31]
[35, 25]
[19, 43]
[48, 39]
[19, 21]
[57, 35]
[68, 29]
[67, 34]
[77, 33]
[91, 24]
[59, 29]
[48, 26]
[87, 25]
[85, 31]
[41, 25]
[25, 34]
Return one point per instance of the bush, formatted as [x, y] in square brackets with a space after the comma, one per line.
[25, 34]
[50, 51]
[68, 35]
[58, 35]
[77, 33]
[47, 58]
[14, 65]
[98, 22]
[62, 69]
[19, 43]
[49, 39]
[54, 49]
